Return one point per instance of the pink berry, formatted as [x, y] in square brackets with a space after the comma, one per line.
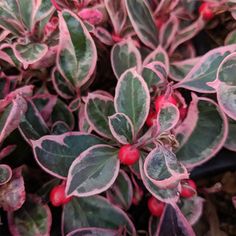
[155, 206]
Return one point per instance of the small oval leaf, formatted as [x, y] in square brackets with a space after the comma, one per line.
[121, 128]
[77, 54]
[163, 169]
[85, 212]
[121, 192]
[142, 20]
[195, 150]
[125, 55]
[132, 98]
[97, 110]
[93, 172]
[5, 173]
[33, 218]
[55, 153]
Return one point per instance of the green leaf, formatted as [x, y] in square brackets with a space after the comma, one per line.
[97, 109]
[122, 128]
[195, 150]
[29, 53]
[55, 153]
[61, 112]
[125, 55]
[93, 172]
[12, 194]
[32, 125]
[77, 54]
[230, 142]
[94, 211]
[205, 70]
[11, 116]
[132, 98]
[33, 218]
[168, 117]
[121, 192]
[163, 169]
[168, 195]
[92, 231]
[192, 208]
[62, 86]
[5, 173]
[153, 76]
[142, 20]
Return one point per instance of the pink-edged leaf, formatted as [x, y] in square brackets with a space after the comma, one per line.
[225, 85]
[179, 69]
[11, 116]
[125, 55]
[143, 22]
[77, 54]
[61, 112]
[34, 218]
[230, 38]
[12, 194]
[154, 74]
[59, 127]
[187, 33]
[153, 225]
[121, 192]
[45, 104]
[121, 128]
[92, 231]
[168, 31]
[55, 153]
[205, 70]
[163, 169]
[93, 172]
[5, 173]
[91, 15]
[32, 126]
[10, 17]
[158, 55]
[97, 110]
[103, 35]
[75, 104]
[5, 57]
[84, 125]
[168, 195]
[29, 53]
[25, 91]
[117, 13]
[132, 98]
[192, 208]
[167, 117]
[195, 150]
[230, 142]
[95, 211]
[7, 151]
[173, 222]
[62, 86]
[166, 6]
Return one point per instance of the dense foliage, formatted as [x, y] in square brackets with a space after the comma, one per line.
[106, 104]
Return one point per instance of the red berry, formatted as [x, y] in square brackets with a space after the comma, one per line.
[151, 117]
[188, 188]
[155, 206]
[57, 196]
[161, 99]
[183, 112]
[128, 155]
[206, 11]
